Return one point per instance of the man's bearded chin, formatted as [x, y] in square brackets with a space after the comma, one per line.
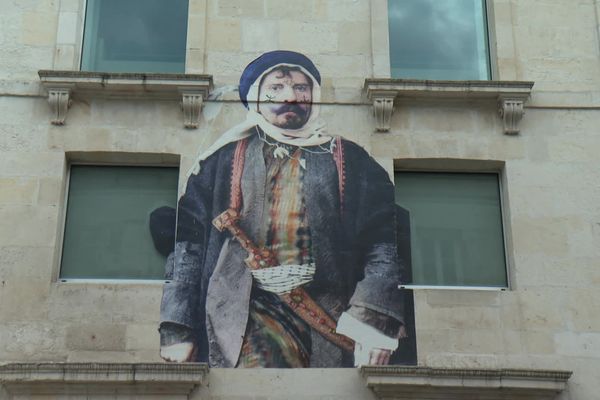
[297, 117]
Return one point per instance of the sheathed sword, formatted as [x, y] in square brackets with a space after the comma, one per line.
[297, 299]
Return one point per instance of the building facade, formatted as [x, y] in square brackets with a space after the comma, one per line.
[522, 321]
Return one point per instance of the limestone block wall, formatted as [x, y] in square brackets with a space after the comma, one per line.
[551, 178]
[335, 34]
[306, 384]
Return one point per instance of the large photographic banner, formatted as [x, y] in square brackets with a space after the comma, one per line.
[289, 246]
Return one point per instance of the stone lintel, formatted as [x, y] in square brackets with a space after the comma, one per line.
[509, 95]
[189, 89]
[394, 382]
[102, 378]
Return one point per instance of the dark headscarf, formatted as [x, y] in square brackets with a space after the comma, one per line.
[268, 60]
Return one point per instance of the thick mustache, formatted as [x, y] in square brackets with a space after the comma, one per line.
[295, 108]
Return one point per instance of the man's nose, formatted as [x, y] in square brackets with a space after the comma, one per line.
[288, 95]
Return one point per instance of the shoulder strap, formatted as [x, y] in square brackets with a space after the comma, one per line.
[237, 168]
[338, 156]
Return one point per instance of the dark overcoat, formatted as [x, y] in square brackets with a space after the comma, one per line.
[352, 225]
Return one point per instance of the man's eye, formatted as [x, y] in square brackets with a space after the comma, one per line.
[301, 88]
[275, 88]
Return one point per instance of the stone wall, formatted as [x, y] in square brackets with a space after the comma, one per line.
[548, 319]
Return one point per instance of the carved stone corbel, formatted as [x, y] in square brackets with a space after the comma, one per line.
[191, 104]
[59, 99]
[383, 108]
[511, 111]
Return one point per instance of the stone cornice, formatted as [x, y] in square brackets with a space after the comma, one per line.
[418, 88]
[189, 89]
[127, 85]
[509, 96]
[438, 383]
[102, 378]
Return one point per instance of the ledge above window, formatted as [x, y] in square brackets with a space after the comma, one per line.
[509, 95]
[421, 382]
[97, 379]
[62, 86]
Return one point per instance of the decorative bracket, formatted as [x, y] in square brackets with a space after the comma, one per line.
[383, 108]
[191, 104]
[60, 101]
[511, 111]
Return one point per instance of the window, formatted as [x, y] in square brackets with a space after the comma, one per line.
[107, 233]
[444, 40]
[135, 36]
[456, 228]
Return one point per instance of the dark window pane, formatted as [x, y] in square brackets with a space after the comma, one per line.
[135, 36]
[456, 228]
[107, 232]
[438, 39]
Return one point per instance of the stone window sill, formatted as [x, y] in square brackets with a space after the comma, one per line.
[98, 379]
[509, 95]
[429, 383]
[62, 86]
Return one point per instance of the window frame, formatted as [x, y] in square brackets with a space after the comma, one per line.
[81, 58]
[63, 221]
[380, 40]
[71, 28]
[472, 168]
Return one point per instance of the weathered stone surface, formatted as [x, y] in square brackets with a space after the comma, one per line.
[196, 32]
[240, 8]
[290, 384]
[39, 28]
[25, 305]
[28, 225]
[29, 340]
[277, 9]
[17, 190]
[224, 35]
[67, 27]
[99, 337]
[260, 35]
[354, 38]
[348, 10]
[295, 35]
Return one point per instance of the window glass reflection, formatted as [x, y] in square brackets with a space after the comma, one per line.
[456, 228]
[433, 39]
[135, 36]
[107, 234]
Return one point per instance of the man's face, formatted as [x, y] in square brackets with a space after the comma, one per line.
[285, 98]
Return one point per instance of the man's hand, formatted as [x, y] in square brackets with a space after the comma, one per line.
[402, 334]
[379, 357]
[179, 352]
[382, 356]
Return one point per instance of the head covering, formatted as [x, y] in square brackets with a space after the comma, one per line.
[312, 133]
[266, 62]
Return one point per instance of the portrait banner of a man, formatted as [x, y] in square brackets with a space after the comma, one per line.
[287, 236]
